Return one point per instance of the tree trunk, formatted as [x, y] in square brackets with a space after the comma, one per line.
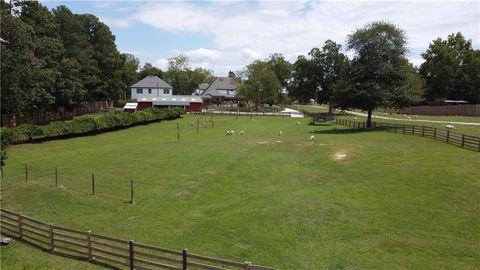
[369, 118]
[330, 108]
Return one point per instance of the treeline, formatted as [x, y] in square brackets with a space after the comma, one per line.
[59, 60]
[377, 75]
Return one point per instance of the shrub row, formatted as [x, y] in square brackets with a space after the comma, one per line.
[83, 124]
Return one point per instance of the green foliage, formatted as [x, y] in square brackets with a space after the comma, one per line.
[183, 79]
[380, 73]
[261, 85]
[29, 131]
[451, 70]
[7, 137]
[281, 67]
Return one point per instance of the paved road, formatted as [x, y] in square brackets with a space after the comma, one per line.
[412, 120]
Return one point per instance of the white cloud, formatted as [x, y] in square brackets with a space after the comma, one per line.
[121, 23]
[244, 31]
[161, 63]
[202, 54]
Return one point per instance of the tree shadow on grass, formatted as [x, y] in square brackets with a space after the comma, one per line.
[343, 131]
[58, 253]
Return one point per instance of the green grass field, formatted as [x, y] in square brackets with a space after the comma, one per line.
[347, 200]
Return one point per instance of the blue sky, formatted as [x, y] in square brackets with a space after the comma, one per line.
[227, 35]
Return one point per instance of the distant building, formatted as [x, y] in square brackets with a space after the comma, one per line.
[222, 91]
[152, 91]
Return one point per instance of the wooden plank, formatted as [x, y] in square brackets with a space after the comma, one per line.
[110, 238]
[158, 257]
[34, 232]
[28, 238]
[112, 260]
[211, 259]
[15, 231]
[204, 266]
[35, 221]
[9, 223]
[70, 236]
[8, 212]
[69, 230]
[109, 245]
[161, 265]
[259, 267]
[167, 250]
[35, 227]
[110, 252]
[72, 250]
[62, 240]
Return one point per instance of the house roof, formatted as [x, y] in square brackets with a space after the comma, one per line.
[151, 82]
[222, 83]
[172, 100]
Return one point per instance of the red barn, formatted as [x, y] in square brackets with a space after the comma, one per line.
[189, 103]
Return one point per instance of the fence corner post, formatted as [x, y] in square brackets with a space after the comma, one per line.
[52, 239]
[26, 173]
[184, 259]
[247, 265]
[89, 245]
[131, 251]
[132, 198]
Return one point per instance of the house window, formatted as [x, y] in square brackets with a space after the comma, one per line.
[166, 91]
[149, 91]
[139, 91]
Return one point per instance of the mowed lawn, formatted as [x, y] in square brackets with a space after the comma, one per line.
[347, 200]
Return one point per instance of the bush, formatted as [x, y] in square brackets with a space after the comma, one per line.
[83, 124]
[56, 129]
[28, 130]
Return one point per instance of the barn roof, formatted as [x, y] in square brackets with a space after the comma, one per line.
[151, 82]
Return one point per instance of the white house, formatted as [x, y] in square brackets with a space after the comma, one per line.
[149, 87]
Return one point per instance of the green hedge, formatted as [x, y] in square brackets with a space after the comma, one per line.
[83, 124]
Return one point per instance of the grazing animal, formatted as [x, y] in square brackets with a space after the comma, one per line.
[280, 133]
[193, 124]
[409, 118]
[450, 126]
[404, 115]
[311, 138]
[228, 133]
[298, 123]
[354, 118]
[232, 132]
[242, 132]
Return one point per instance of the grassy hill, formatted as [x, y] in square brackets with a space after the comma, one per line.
[348, 199]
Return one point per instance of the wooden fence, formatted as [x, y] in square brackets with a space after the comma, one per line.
[286, 114]
[444, 135]
[464, 110]
[107, 250]
[46, 117]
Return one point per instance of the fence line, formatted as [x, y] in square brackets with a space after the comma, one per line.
[125, 254]
[285, 114]
[46, 117]
[444, 135]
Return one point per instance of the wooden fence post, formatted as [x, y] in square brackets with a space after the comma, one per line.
[178, 132]
[52, 239]
[20, 230]
[184, 259]
[395, 128]
[197, 126]
[93, 184]
[132, 200]
[56, 177]
[463, 140]
[423, 131]
[403, 129]
[132, 262]
[89, 245]
[448, 135]
[247, 265]
[213, 124]
[413, 129]
[26, 173]
[434, 133]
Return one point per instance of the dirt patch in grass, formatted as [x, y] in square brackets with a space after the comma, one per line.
[340, 155]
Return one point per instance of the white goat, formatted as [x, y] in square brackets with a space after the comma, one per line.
[228, 133]
[311, 138]
[450, 126]
[298, 123]
[280, 133]
[354, 118]
[242, 132]
[232, 132]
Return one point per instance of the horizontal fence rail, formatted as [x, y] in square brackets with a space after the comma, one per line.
[119, 253]
[285, 114]
[444, 135]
